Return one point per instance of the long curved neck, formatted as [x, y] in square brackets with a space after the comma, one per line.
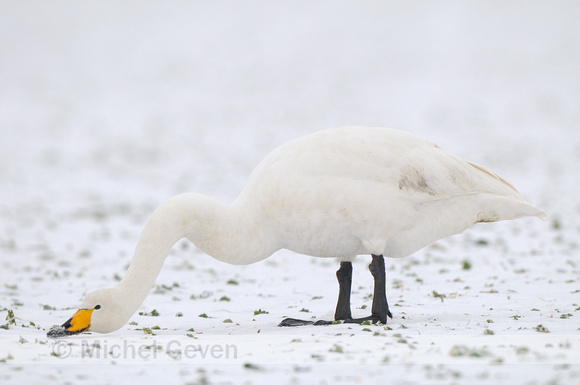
[227, 233]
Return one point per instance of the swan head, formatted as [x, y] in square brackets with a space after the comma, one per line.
[100, 311]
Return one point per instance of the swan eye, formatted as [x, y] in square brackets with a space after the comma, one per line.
[97, 307]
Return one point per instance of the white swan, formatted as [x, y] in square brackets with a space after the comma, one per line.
[335, 193]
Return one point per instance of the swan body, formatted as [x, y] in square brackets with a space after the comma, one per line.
[336, 193]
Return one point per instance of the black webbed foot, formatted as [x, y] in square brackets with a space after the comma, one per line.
[372, 318]
[299, 322]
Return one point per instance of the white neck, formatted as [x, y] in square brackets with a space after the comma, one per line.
[227, 233]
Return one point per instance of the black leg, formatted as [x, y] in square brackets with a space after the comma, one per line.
[380, 307]
[344, 276]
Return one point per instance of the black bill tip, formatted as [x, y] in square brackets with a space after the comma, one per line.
[62, 330]
[58, 332]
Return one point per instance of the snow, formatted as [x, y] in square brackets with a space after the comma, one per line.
[109, 108]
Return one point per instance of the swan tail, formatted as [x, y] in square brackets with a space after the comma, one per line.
[501, 208]
[444, 217]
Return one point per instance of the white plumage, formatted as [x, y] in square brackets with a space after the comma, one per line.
[335, 193]
[358, 190]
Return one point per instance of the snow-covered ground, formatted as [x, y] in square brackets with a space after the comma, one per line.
[109, 108]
